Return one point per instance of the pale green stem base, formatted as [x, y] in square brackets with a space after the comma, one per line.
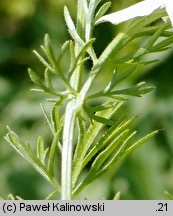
[68, 133]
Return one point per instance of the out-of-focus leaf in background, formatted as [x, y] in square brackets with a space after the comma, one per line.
[23, 24]
[146, 174]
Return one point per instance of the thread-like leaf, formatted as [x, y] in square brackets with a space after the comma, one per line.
[100, 119]
[100, 159]
[117, 77]
[101, 107]
[41, 152]
[118, 153]
[82, 129]
[145, 63]
[140, 142]
[116, 45]
[112, 132]
[89, 136]
[150, 30]
[49, 50]
[82, 62]
[62, 51]
[52, 154]
[121, 153]
[71, 27]
[137, 90]
[163, 44]
[47, 119]
[154, 37]
[52, 195]
[80, 55]
[25, 151]
[126, 149]
[117, 196]
[47, 77]
[95, 128]
[140, 23]
[84, 49]
[55, 122]
[92, 6]
[36, 79]
[11, 197]
[72, 55]
[168, 195]
[149, 45]
[103, 9]
[43, 61]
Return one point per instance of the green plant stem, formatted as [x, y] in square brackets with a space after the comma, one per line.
[68, 133]
[117, 44]
[70, 118]
[74, 106]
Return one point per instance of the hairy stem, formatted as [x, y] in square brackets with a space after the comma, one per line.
[70, 118]
[68, 133]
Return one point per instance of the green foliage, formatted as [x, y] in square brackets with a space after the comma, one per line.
[11, 197]
[85, 134]
[103, 9]
[37, 160]
[168, 195]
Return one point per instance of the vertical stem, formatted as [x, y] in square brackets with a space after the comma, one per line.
[68, 133]
[81, 31]
[70, 119]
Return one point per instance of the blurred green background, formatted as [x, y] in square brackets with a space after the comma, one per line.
[145, 174]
